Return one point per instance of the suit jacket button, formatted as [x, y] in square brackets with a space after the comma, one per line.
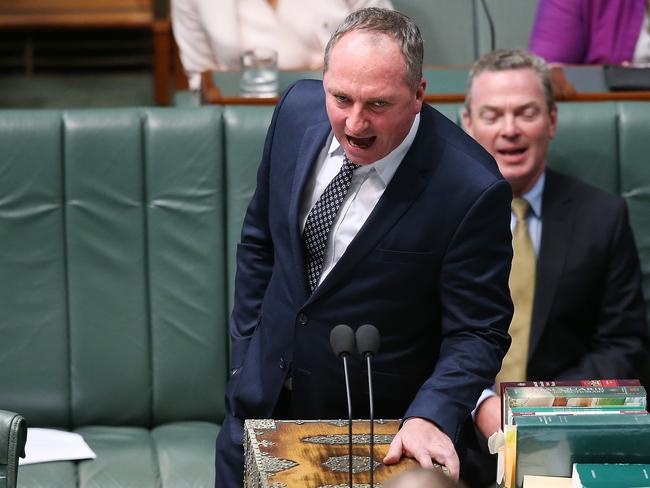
[303, 319]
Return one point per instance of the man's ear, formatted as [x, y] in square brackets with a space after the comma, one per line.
[419, 95]
[553, 121]
[467, 121]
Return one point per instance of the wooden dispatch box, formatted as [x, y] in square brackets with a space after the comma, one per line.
[314, 453]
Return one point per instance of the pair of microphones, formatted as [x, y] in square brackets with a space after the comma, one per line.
[366, 341]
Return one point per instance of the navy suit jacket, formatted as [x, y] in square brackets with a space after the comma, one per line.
[589, 315]
[429, 268]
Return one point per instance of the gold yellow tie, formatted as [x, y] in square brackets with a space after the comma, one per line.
[522, 290]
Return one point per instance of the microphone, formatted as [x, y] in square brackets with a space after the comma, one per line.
[368, 344]
[342, 342]
[490, 24]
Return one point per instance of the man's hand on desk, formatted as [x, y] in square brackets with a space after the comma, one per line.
[488, 416]
[422, 440]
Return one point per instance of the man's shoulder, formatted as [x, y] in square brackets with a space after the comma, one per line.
[304, 100]
[462, 151]
[304, 92]
[589, 203]
[307, 87]
[562, 184]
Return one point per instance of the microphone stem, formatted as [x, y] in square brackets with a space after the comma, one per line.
[372, 424]
[347, 391]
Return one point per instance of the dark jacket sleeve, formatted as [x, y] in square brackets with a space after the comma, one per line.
[476, 312]
[254, 256]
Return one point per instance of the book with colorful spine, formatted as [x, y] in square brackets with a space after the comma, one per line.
[565, 419]
[573, 398]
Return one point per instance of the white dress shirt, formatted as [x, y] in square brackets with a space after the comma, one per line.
[642, 49]
[368, 185]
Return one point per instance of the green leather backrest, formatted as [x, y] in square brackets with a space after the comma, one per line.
[245, 131]
[118, 232]
[34, 357]
[634, 164]
[586, 144]
[112, 248]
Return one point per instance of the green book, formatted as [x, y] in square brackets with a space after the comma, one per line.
[549, 445]
[610, 476]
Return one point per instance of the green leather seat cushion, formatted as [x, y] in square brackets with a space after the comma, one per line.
[171, 455]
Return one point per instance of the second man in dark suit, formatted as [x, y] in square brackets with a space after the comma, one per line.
[576, 279]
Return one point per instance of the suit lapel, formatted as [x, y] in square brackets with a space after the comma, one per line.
[557, 218]
[408, 182]
[312, 142]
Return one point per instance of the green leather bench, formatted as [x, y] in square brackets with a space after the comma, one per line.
[118, 231]
[113, 290]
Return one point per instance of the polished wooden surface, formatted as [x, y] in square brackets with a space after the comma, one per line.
[587, 84]
[98, 14]
[317, 452]
[75, 13]
[445, 84]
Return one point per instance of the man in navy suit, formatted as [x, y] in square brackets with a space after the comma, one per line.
[420, 247]
[588, 314]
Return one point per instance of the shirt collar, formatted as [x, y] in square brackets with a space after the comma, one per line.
[534, 196]
[386, 166]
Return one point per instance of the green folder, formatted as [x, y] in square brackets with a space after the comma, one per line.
[549, 445]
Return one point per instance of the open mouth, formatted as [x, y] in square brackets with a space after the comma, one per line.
[361, 142]
[512, 152]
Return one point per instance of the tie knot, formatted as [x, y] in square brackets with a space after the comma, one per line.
[520, 208]
[349, 165]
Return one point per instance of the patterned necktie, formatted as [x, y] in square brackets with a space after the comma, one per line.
[320, 219]
[522, 290]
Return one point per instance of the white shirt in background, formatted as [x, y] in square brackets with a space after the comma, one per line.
[210, 34]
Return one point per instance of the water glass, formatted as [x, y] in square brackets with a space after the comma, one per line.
[259, 73]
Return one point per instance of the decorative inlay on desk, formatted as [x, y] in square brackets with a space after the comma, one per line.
[314, 453]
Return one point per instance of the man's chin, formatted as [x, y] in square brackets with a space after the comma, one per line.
[361, 155]
[513, 173]
[361, 160]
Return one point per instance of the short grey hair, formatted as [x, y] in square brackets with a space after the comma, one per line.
[509, 59]
[390, 23]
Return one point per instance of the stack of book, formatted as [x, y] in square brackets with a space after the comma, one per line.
[550, 426]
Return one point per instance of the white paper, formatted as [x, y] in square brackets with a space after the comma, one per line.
[496, 441]
[44, 445]
[497, 445]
